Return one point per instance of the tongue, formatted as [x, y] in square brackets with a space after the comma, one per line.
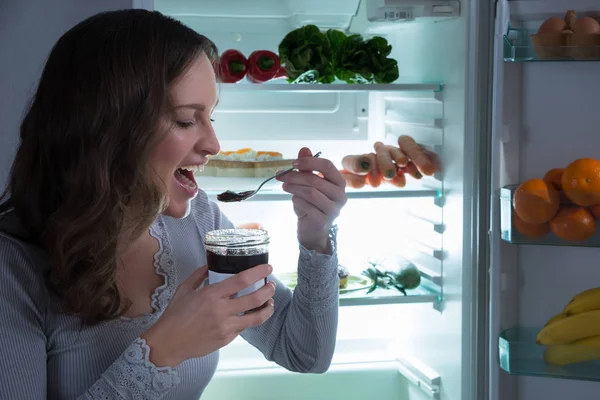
[186, 178]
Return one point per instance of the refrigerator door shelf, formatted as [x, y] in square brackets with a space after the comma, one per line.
[521, 45]
[512, 235]
[519, 354]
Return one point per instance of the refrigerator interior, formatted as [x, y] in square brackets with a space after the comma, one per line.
[418, 346]
[545, 117]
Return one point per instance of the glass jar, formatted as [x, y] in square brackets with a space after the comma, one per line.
[231, 251]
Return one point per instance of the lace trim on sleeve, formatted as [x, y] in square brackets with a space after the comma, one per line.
[133, 376]
[318, 281]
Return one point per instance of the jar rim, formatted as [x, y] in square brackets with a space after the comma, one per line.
[236, 237]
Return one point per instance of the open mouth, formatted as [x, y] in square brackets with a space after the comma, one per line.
[185, 177]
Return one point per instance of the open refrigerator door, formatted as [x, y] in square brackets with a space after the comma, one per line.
[544, 267]
[431, 342]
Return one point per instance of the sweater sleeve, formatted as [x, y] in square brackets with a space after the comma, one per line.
[301, 334]
[23, 340]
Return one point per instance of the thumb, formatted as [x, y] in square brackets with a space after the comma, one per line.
[304, 152]
[193, 281]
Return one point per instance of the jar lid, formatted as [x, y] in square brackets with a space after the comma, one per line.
[236, 237]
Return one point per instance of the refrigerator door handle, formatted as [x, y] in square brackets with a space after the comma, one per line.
[420, 375]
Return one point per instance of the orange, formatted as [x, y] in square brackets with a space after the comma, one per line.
[573, 223]
[581, 182]
[250, 225]
[535, 201]
[554, 178]
[530, 230]
[595, 211]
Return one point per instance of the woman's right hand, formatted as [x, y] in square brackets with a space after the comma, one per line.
[198, 322]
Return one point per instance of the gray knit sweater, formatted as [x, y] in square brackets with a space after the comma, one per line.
[48, 354]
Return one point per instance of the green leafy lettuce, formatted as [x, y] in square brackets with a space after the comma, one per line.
[312, 56]
[305, 50]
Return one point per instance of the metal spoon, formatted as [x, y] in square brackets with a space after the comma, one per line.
[230, 196]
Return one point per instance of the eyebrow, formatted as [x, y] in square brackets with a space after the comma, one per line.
[195, 106]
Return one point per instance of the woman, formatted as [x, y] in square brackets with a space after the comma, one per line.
[101, 236]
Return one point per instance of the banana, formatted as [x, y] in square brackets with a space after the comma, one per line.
[581, 350]
[590, 292]
[585, 301]
[570, 329]
[557, 317]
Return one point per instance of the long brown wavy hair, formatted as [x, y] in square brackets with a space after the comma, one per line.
[81, 180]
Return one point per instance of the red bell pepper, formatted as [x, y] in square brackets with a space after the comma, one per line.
[282, 73]
[263, 65]
[233, 66]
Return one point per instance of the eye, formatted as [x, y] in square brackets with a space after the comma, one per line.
[185, 124]
[212, 120]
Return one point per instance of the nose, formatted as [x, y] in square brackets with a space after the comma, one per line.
[208, 143]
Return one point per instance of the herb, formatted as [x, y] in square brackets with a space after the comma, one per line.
[407, 278]
[311, 56]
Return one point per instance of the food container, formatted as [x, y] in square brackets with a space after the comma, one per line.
[231, 251]
[584, 46]
[550, 46]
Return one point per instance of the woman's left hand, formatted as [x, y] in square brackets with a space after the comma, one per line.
[318, 199]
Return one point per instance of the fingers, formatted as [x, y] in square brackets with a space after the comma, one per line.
[253, 300]
[315, 198]
[231, 286]
[194, 281]
[255, 318]
[321, 165]
[304, 152]
[384, 161]
[333, 192]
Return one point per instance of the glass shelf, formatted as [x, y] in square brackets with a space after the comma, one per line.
[279, 195]
[510, 234]
[519, 47]
[283, 86]
[518, 354]
[382, 296]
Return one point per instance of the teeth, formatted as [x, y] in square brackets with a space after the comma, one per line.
[188, 182]
[191, 168]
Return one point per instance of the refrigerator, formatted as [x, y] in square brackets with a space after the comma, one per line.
[473, 88]
[432, 343]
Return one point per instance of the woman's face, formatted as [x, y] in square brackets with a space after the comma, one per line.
[189, 144]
